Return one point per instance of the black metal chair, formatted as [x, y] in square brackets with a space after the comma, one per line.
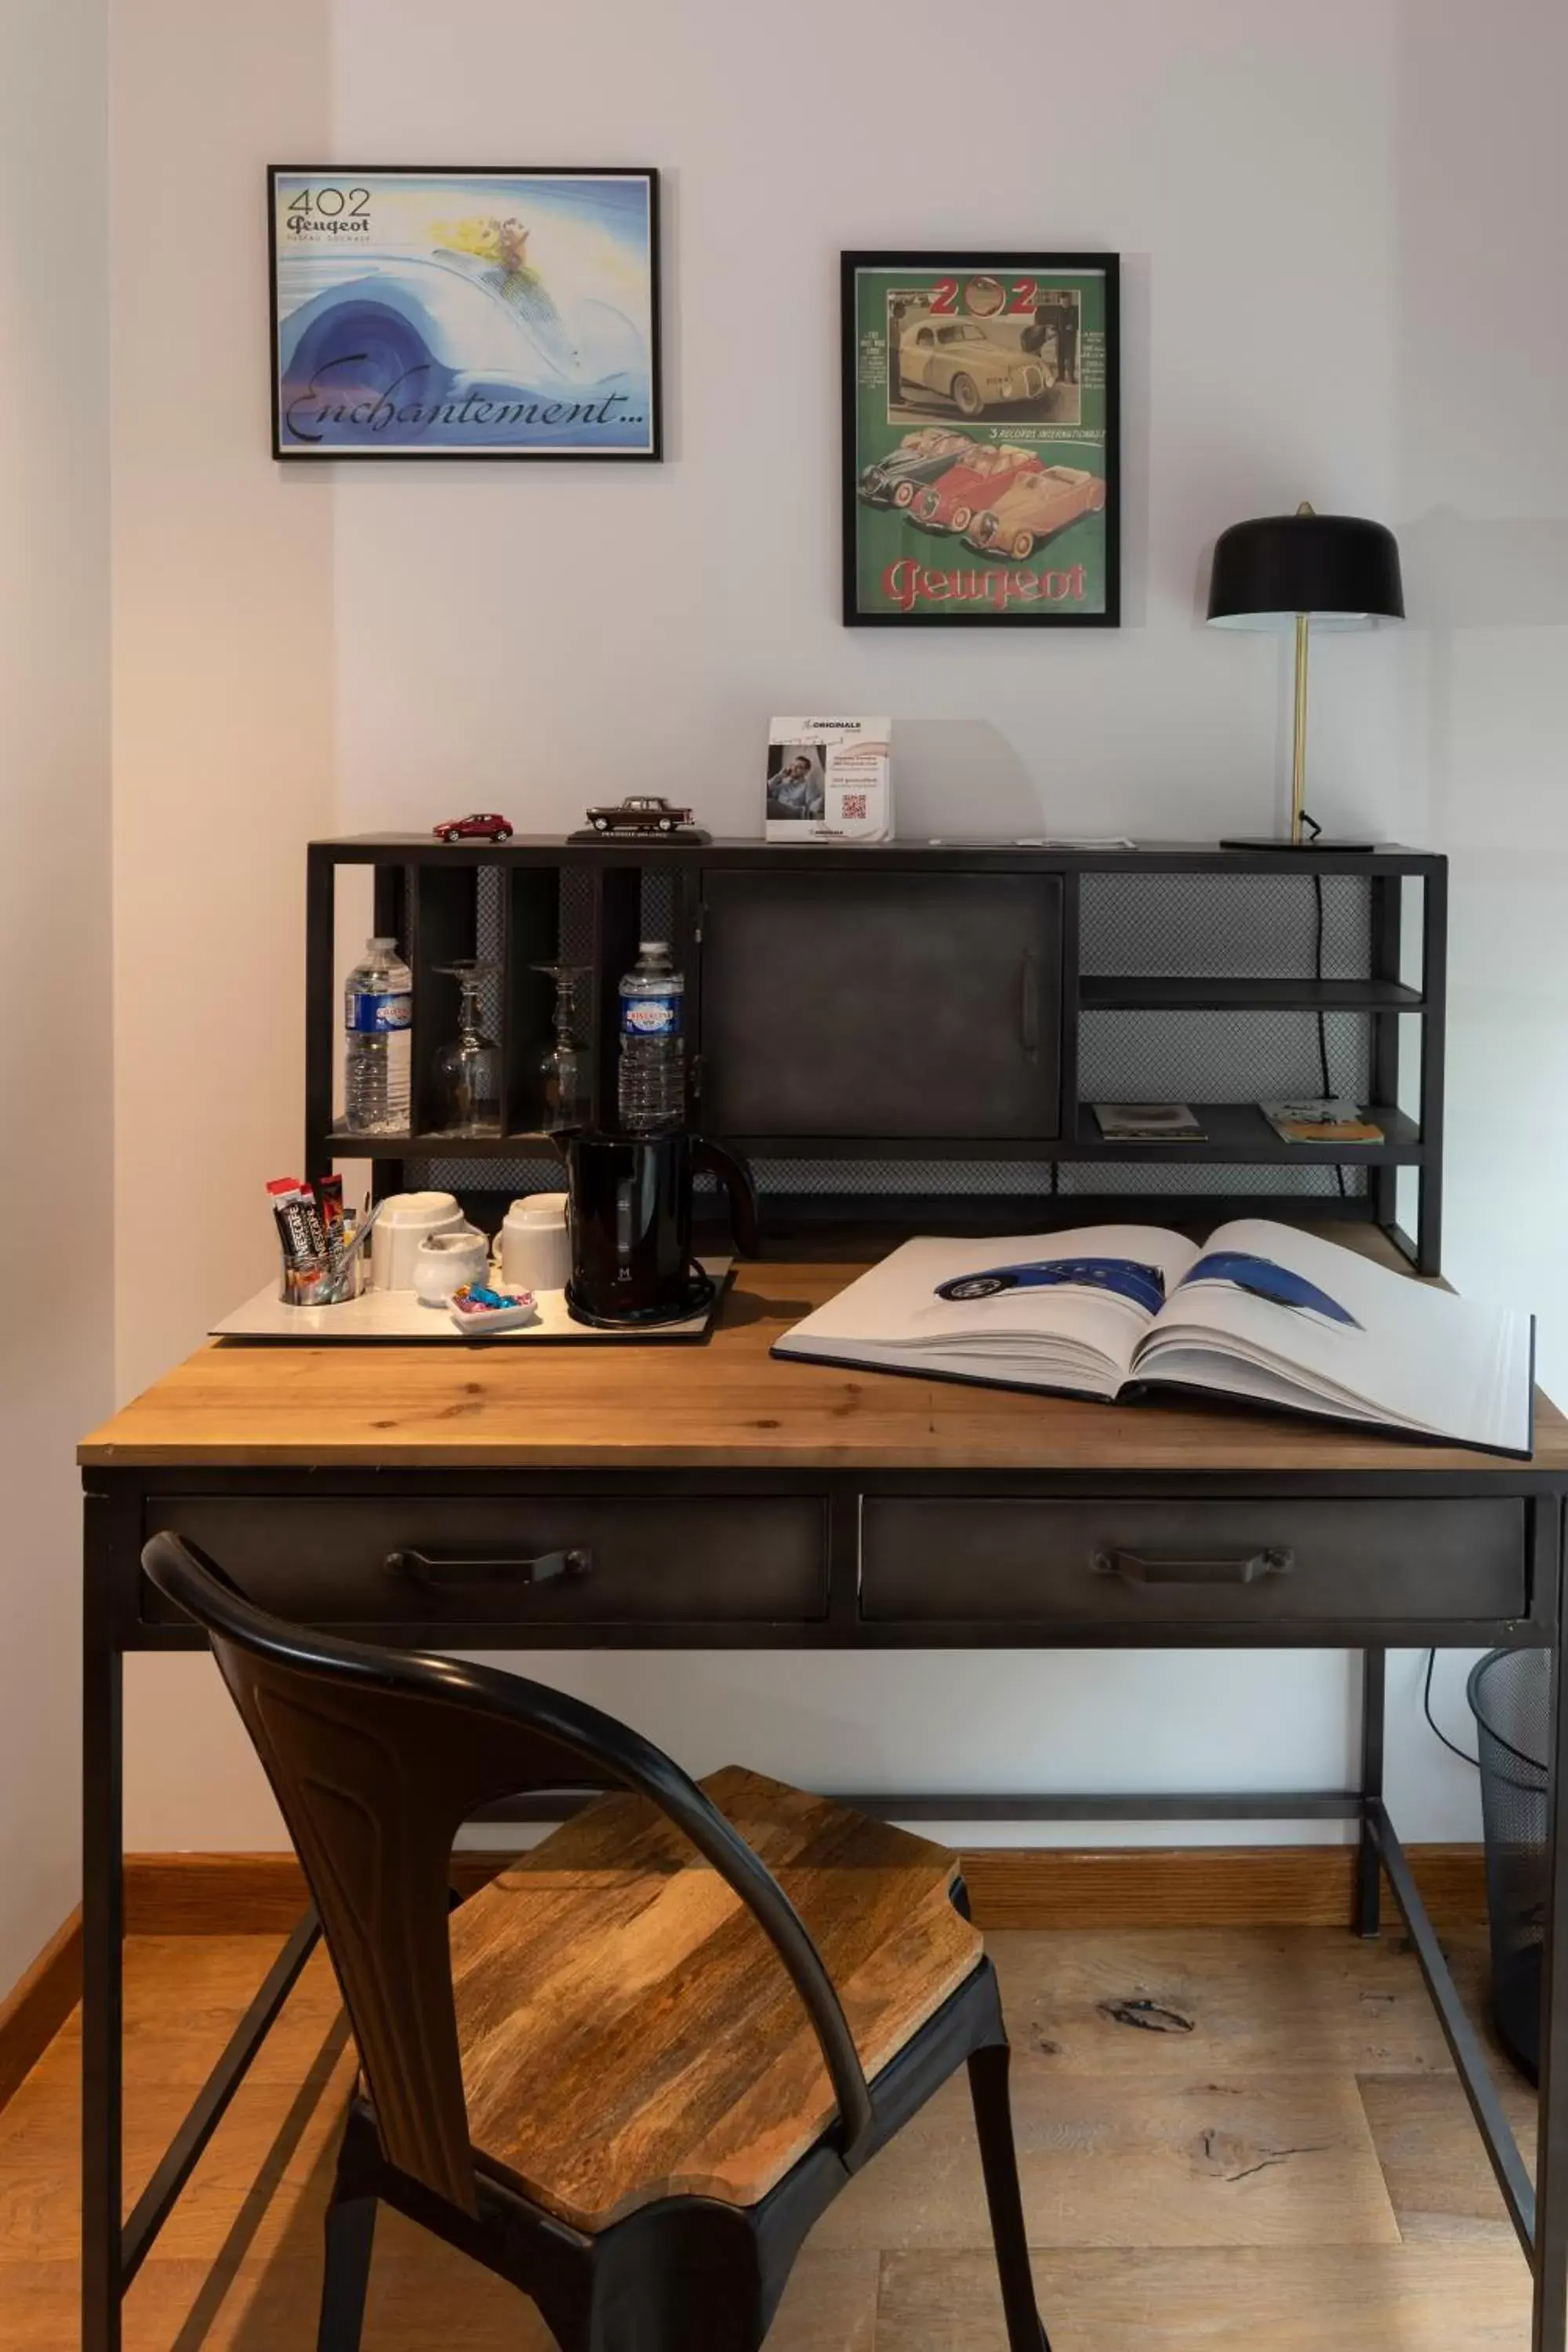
[491, 2109]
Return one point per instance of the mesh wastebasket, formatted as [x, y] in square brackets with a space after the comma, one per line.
[1511, 1698]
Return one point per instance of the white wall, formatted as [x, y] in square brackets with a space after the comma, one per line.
[1292, 192]
[56, 1328]
[571, 625]
[1482, 488]
[1481, 504]
[223, 651]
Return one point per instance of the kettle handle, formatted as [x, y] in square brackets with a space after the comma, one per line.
[712, 1160]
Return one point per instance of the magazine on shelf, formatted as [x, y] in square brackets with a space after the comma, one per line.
[1260, 1312]
[1321, 1119]
[1150, 1123]
[829, 780]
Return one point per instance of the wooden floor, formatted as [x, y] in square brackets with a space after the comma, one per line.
[1275, 2153]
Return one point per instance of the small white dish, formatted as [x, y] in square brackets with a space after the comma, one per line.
[476, 1322]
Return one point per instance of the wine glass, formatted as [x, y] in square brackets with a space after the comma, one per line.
[467, 1071]
[564, 1064]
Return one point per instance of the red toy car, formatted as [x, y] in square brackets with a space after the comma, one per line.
[950, 503]
[473, 828]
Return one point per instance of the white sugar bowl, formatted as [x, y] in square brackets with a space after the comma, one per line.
[444, 1262]
[405, 1220]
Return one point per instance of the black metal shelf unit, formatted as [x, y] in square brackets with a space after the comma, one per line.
[916, 1034]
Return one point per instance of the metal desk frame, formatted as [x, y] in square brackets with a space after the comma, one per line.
[114, 1624]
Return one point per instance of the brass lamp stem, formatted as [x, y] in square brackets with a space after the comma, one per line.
[1298, 754]
[1298, 760]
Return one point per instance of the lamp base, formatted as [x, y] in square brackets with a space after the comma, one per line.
[1319, 841]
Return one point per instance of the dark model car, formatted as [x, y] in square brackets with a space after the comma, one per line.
[477, 827]
[640, 813]
[923, 457]
[1261, 1279]
[1144, 1284]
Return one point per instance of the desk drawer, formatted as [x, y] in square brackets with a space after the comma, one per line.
[931, 1560]
[520, 1559]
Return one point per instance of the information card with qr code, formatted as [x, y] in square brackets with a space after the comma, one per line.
[829, 780]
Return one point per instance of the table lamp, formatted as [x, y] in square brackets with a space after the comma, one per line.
[1281, 572]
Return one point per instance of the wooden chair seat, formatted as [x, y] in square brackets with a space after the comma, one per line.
[627, 2031]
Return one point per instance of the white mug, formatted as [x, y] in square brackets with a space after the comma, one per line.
[444, 1262]
[535, 1249]
[406, 1219]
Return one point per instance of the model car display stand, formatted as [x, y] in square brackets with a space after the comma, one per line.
[688, 833]
[867, 1024]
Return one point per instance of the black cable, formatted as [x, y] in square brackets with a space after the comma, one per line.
[1473, 1762]
[1318, 974]
[1322, 1016]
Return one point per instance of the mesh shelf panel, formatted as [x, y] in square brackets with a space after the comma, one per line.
[1313, 1184]
[510, 1177]
[1224, 926]
[489, 902]
[657, 909]
[980, 1177]
[1149, 1056]
[999, 1179]
[576, 915]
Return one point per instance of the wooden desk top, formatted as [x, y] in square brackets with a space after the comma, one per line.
[727, 1405]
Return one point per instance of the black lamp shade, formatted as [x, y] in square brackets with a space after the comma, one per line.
[1334, 568]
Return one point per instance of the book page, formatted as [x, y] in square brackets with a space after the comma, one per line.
[1347, 1335]
[1023, 1307]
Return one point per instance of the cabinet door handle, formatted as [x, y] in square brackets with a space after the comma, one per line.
[1030, 1005]
[1251, 1568]
[545, 1568]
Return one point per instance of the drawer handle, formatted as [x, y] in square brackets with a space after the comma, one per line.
[1029, 1005]
[547, 1568]
[1251, 1569]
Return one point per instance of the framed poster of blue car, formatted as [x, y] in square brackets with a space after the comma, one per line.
[465, 314]
[981, 480]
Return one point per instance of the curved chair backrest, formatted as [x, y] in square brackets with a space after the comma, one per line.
[376, 1756]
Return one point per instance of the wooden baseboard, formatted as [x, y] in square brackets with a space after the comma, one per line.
[34, 2010]
[1010, 1886]
[1206, 1886]
[239, 1893]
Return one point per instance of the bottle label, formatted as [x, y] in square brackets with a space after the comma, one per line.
[372, 1014]
[651, 1016]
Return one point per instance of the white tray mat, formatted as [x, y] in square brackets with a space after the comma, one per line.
[400, 1315]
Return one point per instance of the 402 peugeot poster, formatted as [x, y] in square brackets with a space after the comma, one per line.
[980, 474]
[465, 314]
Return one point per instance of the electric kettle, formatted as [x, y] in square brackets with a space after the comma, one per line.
[629, 1213]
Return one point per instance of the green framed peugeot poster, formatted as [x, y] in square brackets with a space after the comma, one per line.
[981, 452]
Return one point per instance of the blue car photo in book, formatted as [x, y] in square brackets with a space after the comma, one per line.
[1260, 1278]
[1260, 1312]
[1144, 1284]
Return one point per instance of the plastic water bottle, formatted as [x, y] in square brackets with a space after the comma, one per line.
[652, 1088]
[378, 1007]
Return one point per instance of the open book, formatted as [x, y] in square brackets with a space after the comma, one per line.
[1261, 1313]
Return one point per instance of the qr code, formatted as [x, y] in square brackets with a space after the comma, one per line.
[854, 807]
